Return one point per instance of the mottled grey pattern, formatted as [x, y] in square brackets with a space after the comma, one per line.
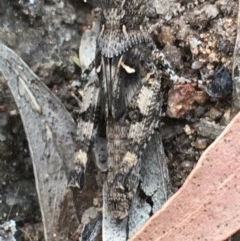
[123, 99]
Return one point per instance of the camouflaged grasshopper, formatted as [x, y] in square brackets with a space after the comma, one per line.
[122, 101]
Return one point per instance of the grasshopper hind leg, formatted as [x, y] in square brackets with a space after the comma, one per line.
[86, 132]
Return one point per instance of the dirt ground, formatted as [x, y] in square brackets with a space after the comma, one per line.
[46, 34]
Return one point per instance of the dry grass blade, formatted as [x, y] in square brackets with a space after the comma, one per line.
[49, 129]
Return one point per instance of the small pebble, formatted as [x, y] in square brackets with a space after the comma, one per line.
[211, 11]
[200, 144]
[226, 117]
[96, 202]
[197, 65]
[187, 164]
[214, 114]
[201, 97]
[180, 100]
[194, 42]
[188, 130]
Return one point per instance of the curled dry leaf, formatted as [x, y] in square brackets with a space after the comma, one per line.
[207, 206]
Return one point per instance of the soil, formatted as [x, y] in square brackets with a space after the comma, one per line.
[46, 34]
